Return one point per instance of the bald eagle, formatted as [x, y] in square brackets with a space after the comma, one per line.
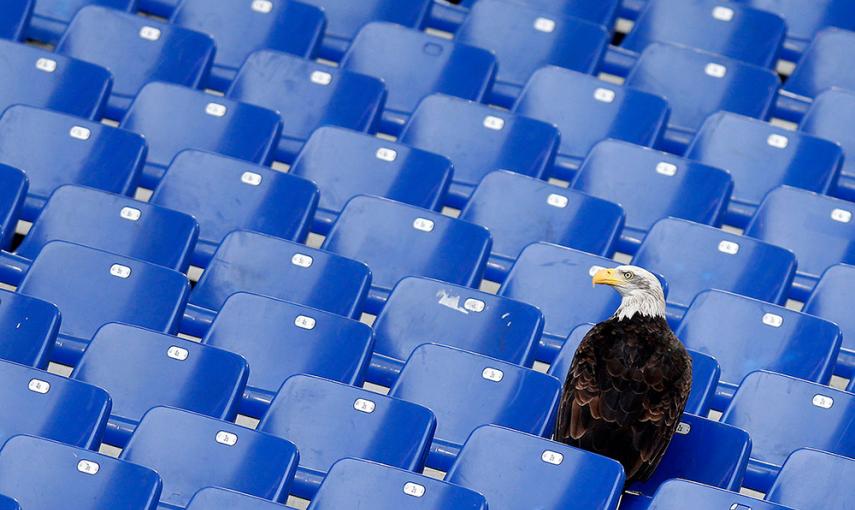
[629, 380]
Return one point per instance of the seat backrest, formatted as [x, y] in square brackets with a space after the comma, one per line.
[13, 191]
[828, 117]
[29, 329]
[215, 498]
[813, 480]
[675, 493]
[14, 17]
[831, 299]
[822, 64]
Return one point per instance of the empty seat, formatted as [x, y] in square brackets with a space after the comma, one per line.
[225, 194]
[651, 185]
[191, 452]
[397, 240]
[520, 210]
[824, 64]
[694, 258]
[51, 17]
[525, 38]
[281, 339]
[330, 421]
[14, 18]
[699, 85]
[758, 336]
[500, 463]
[50, 406]
[344, 163]
[8, 503]
[587, 110]
[137, 51]
[478, 140]
[173, 118]
[820, 230]
[81, 152]
[448, 15]
[814, 480]
[214, 498]
[355, 483]
[466, 390]
[141, 369]
[239, 28]
[69, 477]
[415, 64]
[829, 117]
[832, 299]
[13, 190]
[318, 95]
[760, 156]
[816, 416]
[52, 81]
[28, 329]
[674, 494]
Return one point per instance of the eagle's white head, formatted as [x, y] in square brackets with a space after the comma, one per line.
[640, 291]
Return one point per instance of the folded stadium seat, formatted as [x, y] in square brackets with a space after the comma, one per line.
[694, 258]
[825, 235]
[525, 38]
[420, 310]
[142, 369]
[520, 210]
[137, 51]
[760, 156]
[705, 371]
[587, 110]
[81, 152]
[13, 190]
[701, 84]
[479, 139]
[353, 483]
[830, 117]
[214, 498]
[466, 390]
[280, 339]
[397, 240]
[93, 287]
[449, 16]
[51, 17]
[50, 406]
[318, 95]
[330, 421]
[814, 480]
[783, 414]
[173, 118]
[69, 477]
[515, 470]
[414, 65]
[674, 494]
[758, 336]
[630, 175]
[345, 163]
[28, 329]
[14, 18]
[225, 194]
[8, 503]
[47, 80]
[191, 452]
[832, 299]
[240, 28]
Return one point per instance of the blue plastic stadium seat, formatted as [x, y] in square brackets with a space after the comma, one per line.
[353, 483]
[478, 140]
[420, 310]
[758, 336]
[414, 65]
[694, 258]
[520, 210]
[449, 15]
[501, 463]
[137, 51]
[630, 175]
[345, 163]
[819, 229]
[760, 156]
[214, 498]
[173, 118]
[51, 17]
[675, 494]
[824, 65]
[814, 480]
[466, 390]
[330, 421]
[318, 95]
[161, 8]
[281, 339]
[14, 18]
[525, 38]
[832, 299]
[815, 416]
[13, 190]
[28, 329]
[8, 503]
[47, 80]
[225, 194]
[141, 369]
[700, 84]
[830, 117]
[69, 477]
[705, 371]
[240, 28]
[92, 288]
[397, 240]
[81, 152]
[191, 452]
[587, 110]
[50, 406]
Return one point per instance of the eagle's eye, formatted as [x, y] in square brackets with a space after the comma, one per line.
[628, 275]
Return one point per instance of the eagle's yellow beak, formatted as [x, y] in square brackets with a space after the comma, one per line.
[606, 277]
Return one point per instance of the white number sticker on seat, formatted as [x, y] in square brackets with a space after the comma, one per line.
[728, 247]
[715, 70]
[301, 260]
[683, 428]
[772, 319]
[226, 438]
[604, 95]
[262, 6]
[494, 123]
[178, 353]
[80, 133]
[120, 271]
[493, 374]
[321, 77]
[39, 386]
[778, 141]
[553, 458]
[423, 224]
[544, 25]
[46, 64]
[305, 322]
[556, 200]
[130, 214]
[474, 305]
[841, 215]
[364, 406]
[216, 110]
[823, 401]
[251, 178]
[88, 467]
[723, 13]
[150, 33]
[386, 154]
[667, 169]
[413, 489]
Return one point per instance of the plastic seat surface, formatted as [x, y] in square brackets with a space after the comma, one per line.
[806, 17]
[214, 498]
[29, 327]
[832, 299]
[814, 480]
[51, 17]
[162, 8]
[823, 64]
[675, 493]
[13, 190]
[828, 117]
[14, 18]
[8, 503]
